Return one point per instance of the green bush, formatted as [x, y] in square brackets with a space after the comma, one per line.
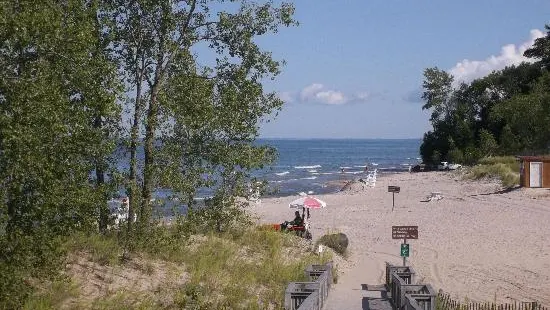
[456, 156]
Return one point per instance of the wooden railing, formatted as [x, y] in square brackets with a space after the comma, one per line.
[405, 294]
[405, 272]
[445, 302]
[310, 295]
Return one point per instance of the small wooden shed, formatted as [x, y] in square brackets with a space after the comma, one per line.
[534, 171]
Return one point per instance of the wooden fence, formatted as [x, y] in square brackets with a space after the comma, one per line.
[310, 295]
[405, 294]
[445, 302]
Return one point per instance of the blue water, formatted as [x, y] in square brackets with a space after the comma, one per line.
[312, 164]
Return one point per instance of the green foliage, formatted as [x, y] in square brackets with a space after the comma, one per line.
[245, 267]
[456, 156]
[63, 64]
[54, 84]
[506, 112]
[53, 295]
[506, 169]
[104, 249]
[437, 92]
[527, 117]
[510, 161]
[488, 146]
[541, 49]
[206, 115]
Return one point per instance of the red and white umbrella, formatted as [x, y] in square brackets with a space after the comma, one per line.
[307, 202]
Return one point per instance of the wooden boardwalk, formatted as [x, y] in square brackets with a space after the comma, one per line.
[375, 297]
[366, 297]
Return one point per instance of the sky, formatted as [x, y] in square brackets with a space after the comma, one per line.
[354, 67]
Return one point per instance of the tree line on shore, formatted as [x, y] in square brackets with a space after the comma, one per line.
[504, 113]
[187, 73]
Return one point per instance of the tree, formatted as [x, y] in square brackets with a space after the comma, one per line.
[155, 41]
[54, 83]
[527, 117]
[541, 49]
[488, 146]
[473, 116]
[437, 93]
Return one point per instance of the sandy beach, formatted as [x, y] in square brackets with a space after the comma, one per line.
[477, 243]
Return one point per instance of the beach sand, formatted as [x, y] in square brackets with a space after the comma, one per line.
[477, 243]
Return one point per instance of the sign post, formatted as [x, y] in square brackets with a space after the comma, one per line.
[404, 232]
[393, 190]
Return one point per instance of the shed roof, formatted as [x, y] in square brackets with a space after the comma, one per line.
[534, 158]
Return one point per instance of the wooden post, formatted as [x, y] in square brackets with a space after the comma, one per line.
[393, 201]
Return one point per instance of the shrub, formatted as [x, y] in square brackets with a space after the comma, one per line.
[456, 156]
[338, 242]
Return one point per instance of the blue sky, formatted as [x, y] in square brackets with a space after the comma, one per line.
[354, 67]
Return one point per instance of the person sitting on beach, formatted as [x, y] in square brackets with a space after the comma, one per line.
[298, 221]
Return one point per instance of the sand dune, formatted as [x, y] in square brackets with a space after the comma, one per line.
[478, 242]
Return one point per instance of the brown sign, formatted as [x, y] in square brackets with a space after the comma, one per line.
[404, 232]
[394, 189]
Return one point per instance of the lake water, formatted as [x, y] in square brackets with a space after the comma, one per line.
[312, 164]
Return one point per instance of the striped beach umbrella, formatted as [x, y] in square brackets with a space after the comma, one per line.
[307, 202]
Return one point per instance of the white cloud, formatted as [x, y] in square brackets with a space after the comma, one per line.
[510, 54]
[286, 96]
[319, 93]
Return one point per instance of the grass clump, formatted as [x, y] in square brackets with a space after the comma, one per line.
[103, 249]
[506, 169]
[510, 161]
[52, 295]
[244, 268]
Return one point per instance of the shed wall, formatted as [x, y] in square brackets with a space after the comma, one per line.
[524, 181]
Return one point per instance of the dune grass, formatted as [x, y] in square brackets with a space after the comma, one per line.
[504, 168]
[245, 268]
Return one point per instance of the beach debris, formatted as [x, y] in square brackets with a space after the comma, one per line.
[320, 249]
[347, 186]
[433, 196]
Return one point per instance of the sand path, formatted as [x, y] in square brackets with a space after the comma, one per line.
[476, 243]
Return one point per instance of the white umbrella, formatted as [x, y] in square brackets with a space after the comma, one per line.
[307, 202]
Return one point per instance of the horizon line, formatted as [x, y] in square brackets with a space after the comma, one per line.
[335, 138]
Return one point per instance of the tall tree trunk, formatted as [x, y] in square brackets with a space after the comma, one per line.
[100, 181]
[134, 136]
[150, 127]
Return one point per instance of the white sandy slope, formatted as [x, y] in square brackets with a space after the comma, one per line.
[476, 243]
